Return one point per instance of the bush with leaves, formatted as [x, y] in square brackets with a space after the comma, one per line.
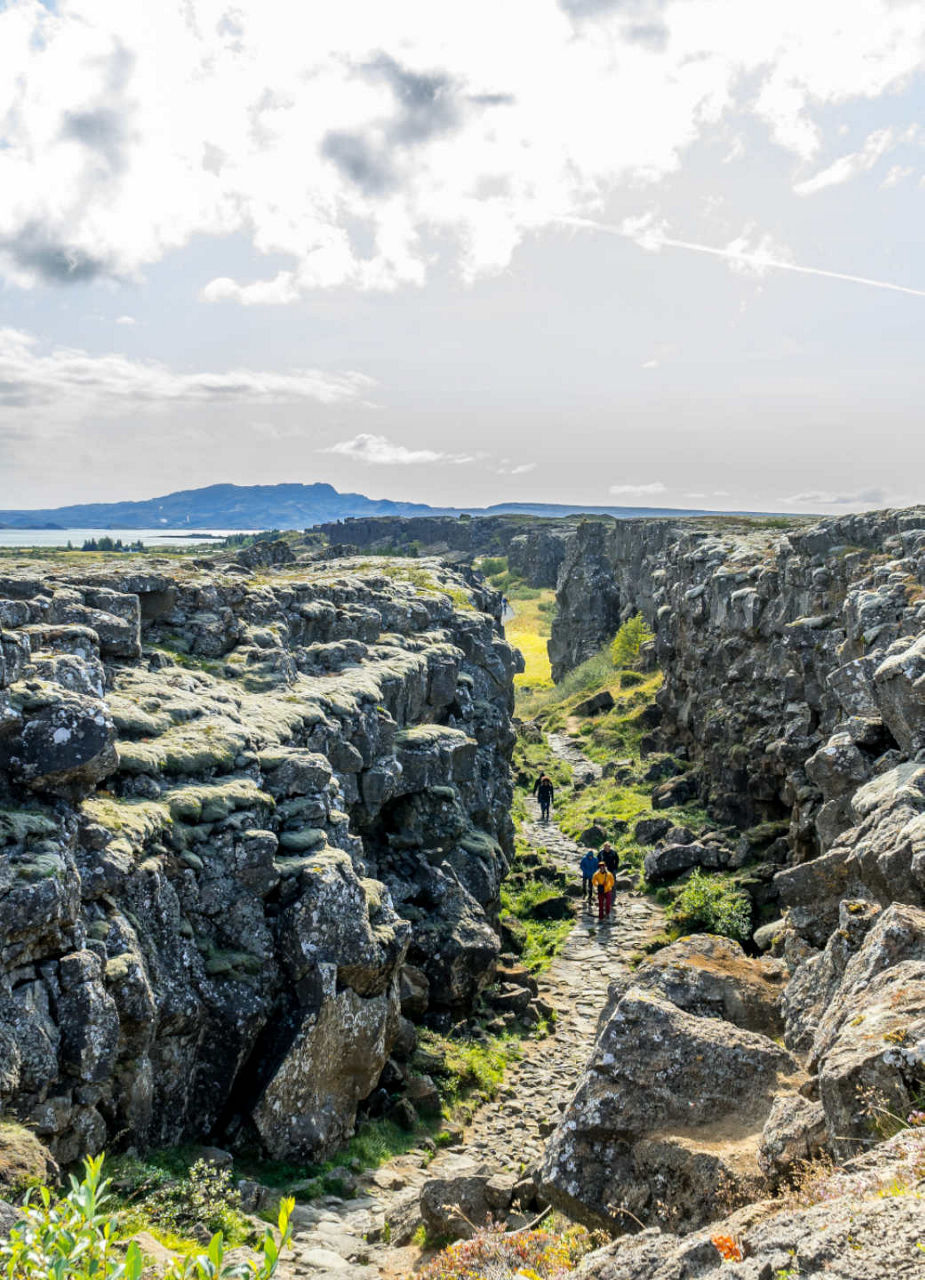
[206, 1196]
[711, 904]
[78, 1238]
[627, 643]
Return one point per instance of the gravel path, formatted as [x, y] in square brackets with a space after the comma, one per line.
[508, 1133]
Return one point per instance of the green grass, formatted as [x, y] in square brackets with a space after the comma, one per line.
[468, 1071]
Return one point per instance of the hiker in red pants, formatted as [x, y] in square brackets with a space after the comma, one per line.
[604, 882]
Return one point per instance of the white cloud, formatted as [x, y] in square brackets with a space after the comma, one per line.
[126, 320]
[67, 375]
[820, 497]
[846, 167]
[639, 490]
[360, 142]
[650, 364]
[506, 467]
[896, 174]
[380, 451]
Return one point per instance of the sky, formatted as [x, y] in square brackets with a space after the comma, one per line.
[632, 252]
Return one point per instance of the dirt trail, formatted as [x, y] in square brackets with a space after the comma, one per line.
[344, 1238]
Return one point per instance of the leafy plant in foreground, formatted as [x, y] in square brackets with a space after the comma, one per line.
[78, 1238]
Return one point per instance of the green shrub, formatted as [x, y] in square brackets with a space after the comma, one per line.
[712, 904]
[626, 644]
[493, 565]
[79, 1238]
[206, 1195]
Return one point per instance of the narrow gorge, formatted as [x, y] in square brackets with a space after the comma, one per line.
[258, 816]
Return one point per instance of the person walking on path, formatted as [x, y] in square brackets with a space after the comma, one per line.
[588, 866]
[611, 858]
[603, 881]
[543, 790]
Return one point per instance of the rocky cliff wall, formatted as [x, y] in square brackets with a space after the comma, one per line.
[791, 658]
[535, 547]
[245, 809]
[795, 679]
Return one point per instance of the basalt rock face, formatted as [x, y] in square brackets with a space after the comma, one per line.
[795, 684]
[535, 548]
[234, 806]
[794, 661]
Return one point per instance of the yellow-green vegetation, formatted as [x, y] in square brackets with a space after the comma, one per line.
[614, 804]
[533, 879]
[170, 1193]
[531, 625]
[83, 1235]
[422, 579]
[17, 825]
[466, 1072]
[529, 630]
[541, 940]
[627, 643]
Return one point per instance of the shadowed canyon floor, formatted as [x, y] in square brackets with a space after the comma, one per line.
[348, 1238]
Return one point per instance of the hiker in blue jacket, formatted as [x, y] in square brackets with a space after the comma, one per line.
[588, 866]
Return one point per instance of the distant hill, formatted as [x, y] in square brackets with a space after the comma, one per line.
[276, 506]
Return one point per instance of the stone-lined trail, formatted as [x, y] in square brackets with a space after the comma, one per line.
[365, 1237]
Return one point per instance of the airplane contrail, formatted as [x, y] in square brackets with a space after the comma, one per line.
[656, 240]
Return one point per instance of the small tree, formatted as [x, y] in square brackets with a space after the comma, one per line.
[627, 643]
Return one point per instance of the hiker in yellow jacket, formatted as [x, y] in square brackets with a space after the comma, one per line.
[604, 882]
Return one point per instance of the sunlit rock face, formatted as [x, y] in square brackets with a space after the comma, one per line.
[238, 797]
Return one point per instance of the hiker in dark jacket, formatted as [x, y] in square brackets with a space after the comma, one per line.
[611, 858]
[544, 793]
[588, 866]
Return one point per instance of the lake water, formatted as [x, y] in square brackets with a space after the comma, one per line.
[164, 538]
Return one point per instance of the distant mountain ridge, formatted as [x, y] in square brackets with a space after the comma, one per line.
[277, 506]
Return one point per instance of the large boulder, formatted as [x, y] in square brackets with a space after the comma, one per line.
[817, 978]
[866, 1225]
[339, 918]
[455, 1208]
[308, 1107]
[670, 860]
[669, 1109]
[66, 743]
[713, 977]
[455, 947]
[794, 1134]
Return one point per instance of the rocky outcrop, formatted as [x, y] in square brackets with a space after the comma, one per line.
[667, 1116]
[235, 802]
[794, 693]
[793, 657]
[861, 1223]
[535, 547]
